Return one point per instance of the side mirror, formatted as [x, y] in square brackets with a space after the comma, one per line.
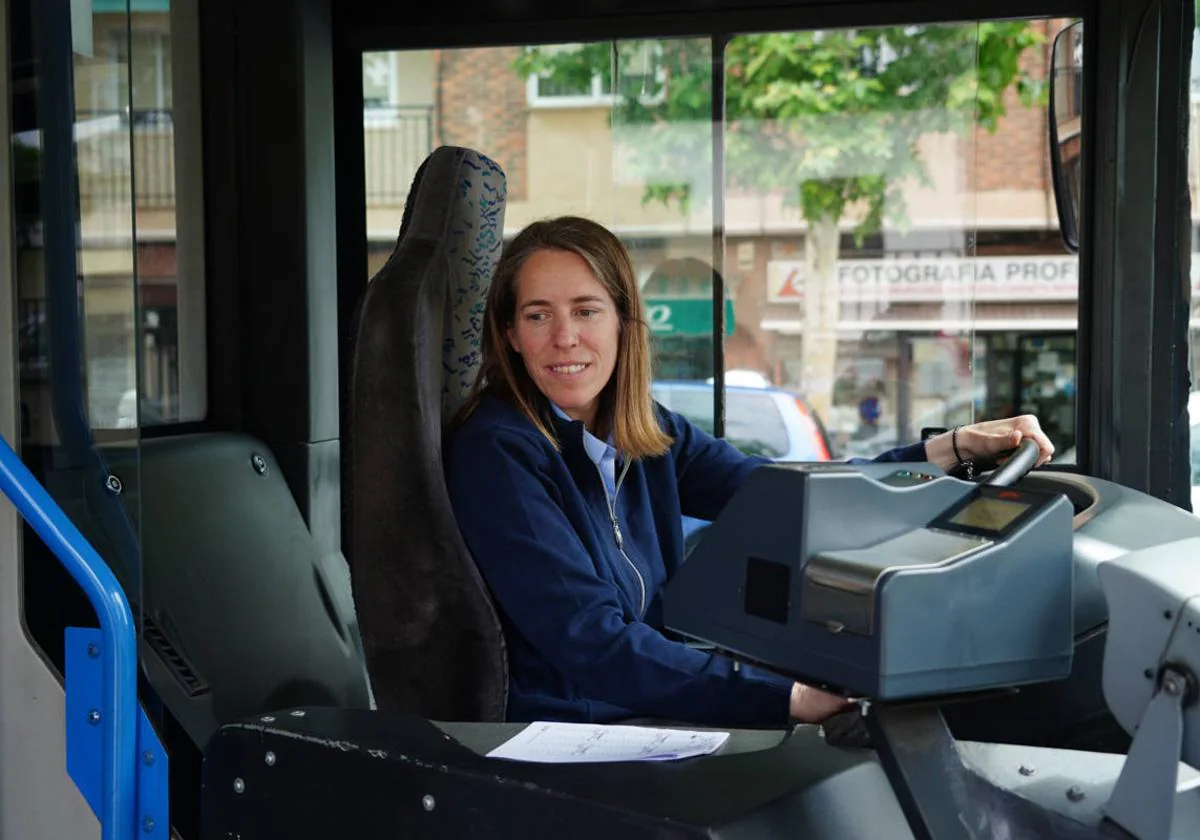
[1065, 122]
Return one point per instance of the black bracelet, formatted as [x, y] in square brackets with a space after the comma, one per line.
[965, 468]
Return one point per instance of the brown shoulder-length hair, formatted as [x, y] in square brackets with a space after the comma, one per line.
[625, 410]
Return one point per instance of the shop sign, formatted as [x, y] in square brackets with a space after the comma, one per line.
[684, 316]
[935, 279]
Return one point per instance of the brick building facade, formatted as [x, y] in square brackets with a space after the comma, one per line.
[495, 121]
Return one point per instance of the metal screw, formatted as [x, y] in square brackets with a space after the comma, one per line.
[1075, 794]
[148, 825]
[298, 713]
[1172, 684]
[270, 759]
[268, 718]
[259, 463]
[239, 786]
[94, 717]
[428, 802]
[1026, 770]
[93, 650]
[148, 758]
[113, 485]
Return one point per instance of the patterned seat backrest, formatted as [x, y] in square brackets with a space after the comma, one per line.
[432, 639]
[474, 244]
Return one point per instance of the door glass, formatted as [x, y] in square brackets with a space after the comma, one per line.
[76, 301]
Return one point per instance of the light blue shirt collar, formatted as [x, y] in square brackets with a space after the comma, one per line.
[601, 453]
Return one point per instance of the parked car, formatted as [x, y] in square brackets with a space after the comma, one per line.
[759, 420]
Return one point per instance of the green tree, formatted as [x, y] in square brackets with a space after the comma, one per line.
[830, 119]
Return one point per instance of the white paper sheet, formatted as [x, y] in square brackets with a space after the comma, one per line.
[570, 743]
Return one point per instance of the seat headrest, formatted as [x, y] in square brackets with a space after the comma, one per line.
[472, 188]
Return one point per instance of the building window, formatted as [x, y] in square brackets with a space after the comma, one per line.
[380, 85]
[149, 65]
[639, 72]
[381, 89]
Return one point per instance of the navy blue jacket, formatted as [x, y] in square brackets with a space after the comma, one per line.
[583, 628]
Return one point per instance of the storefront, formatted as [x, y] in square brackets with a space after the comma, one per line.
[681, 332]
[935, 341]
[677, 296]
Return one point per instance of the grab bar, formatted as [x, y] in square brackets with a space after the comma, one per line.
[119, 701]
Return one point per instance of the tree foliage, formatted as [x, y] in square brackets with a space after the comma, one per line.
[830, 118]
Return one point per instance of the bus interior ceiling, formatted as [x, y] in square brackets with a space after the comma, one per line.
[230, 515]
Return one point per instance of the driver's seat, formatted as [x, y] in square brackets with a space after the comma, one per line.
[431, 636]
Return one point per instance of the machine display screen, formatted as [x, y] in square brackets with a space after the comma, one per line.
[989, 514]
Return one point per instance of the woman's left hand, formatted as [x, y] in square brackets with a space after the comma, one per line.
[987, 441]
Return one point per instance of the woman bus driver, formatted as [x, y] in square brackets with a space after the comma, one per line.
[569, 483]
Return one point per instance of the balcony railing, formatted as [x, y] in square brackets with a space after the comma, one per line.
[107, 159]
[396, 139]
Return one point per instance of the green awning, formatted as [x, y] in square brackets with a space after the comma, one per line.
[120, 6]
[684, 316]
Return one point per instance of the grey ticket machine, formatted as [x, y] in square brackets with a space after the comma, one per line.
[884, 580]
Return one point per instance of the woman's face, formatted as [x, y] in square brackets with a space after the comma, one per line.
[567, 330]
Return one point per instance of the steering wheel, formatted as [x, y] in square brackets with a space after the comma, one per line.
[1024, 459]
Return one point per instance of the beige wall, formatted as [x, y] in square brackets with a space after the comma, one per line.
[99, 70]
[416, 77]
[575, 166]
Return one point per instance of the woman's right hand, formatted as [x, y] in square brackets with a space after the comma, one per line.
[811, 705]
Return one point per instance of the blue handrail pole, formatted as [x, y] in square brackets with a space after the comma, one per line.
[119, 702]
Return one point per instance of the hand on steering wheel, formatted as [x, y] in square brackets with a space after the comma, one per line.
[1016, 467]
[988, 441]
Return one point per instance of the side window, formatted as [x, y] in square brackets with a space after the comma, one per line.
[911, 226]
[884, 230]
[109, 272]
[139, 143]
[886, 241]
